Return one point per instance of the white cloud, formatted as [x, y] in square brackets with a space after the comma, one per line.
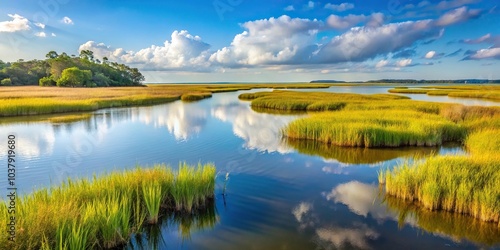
[381, 64]
[457, 16]
[183, 51]
[339, 7]
[268, 41]
[289, 8]
[345, 22]
[349, 21]
[403, 63]
[53, 34]
[490, 53]
[277, 43]
[18, 23]
[40, 25]
[67, 20]
[430, 54]
[40, 34]
[361, 43]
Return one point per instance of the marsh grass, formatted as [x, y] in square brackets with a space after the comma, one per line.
[465, 184]
[491, 92]
[32, 100]
[69, 118]
[382, 128]
[103, 212]
[190, 97]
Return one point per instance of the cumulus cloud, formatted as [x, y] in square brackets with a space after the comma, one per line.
[182, 51]
[285, 41]
[339, 7]
[492, 52]
[67, 20]
[41, 34]
[349, 21]
[40, 25]
[381, 64]
[268, 41]
[404, 63]
[361, 43]
[289, 8]
[433, 55]
[310, 5]
[18, 23]
[457, 16]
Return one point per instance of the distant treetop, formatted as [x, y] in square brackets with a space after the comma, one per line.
[69, 71]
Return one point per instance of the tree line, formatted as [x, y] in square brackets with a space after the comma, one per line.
[69, 71]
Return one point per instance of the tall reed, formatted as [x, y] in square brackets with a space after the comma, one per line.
[104, 212]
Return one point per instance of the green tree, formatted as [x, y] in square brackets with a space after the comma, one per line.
[51, 55]
[46, 81]
[75, 77]
[6, 82]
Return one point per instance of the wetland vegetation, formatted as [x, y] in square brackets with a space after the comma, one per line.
[466, 184]
[106, 211]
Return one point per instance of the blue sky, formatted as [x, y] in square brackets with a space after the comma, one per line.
[255, 41]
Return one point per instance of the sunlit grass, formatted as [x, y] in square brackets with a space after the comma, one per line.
[69, 118]
[491, 92]
[33, 100]
[380, 128]
[465, 184]
[105, 211]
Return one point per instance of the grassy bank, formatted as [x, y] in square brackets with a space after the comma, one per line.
[466, 184]
[374, 120]
[104, 212]
[31, 100]
[491, 92]
[381, 128]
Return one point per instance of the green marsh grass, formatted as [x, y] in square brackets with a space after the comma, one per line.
[190, 97]
[69, 118]
[382, 128]
[104, 212]
[465, 184]
[34, 100]
[491, 92]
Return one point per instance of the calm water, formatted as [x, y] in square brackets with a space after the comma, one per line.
[280, 195]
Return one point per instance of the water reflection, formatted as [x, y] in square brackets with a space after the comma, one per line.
[181, 224]
[326, 236]
[368, 201]
[259, 130]
[183, 120]
[31, 143]
[357, 236]
[356, 155]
